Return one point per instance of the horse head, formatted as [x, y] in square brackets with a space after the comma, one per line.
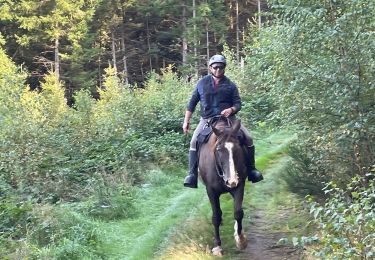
[228, 151]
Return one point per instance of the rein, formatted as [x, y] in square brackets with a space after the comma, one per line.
[213, 120]
[219, 167]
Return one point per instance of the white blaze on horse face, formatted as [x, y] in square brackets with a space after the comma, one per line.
[233, 177]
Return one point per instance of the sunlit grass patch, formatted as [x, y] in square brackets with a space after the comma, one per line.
[189, 245]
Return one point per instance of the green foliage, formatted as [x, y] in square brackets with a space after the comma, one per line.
[302, 175]
[315, 65]
[52, 148]
[165, 98]
[147, 35]
[90, 153]
[11, 86]
[14, 217]
[346, 221]
[60, 233]
[50, 232]
[256, 106]
[112, 199]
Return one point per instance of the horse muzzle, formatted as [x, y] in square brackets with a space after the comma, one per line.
[232, 183]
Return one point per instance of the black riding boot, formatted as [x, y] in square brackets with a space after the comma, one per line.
[253, 174]
[191, 180]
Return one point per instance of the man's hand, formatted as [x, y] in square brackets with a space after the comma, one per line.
[185, 127]
[227, 112]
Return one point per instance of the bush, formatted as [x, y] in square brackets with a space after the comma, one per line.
[303, 174]
[323, 82]
[60, 233]
[113, 198]
[14, 218]
[346, 221]
[45, 232]
[50, 151]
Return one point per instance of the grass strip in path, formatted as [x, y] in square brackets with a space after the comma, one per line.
[162, 205]
[174, 222]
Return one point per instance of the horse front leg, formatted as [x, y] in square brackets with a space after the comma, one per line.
[216, 221]
[239, 236]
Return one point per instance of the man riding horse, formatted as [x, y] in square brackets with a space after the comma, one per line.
[217, 95]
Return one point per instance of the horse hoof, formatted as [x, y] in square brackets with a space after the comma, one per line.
[241, 241]
[217, 251]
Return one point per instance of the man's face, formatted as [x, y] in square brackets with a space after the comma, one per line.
[217, 69]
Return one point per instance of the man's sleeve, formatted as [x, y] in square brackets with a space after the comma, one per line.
[193, 100]
[236, 99]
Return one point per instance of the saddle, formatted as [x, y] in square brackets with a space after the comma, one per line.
[205, 134]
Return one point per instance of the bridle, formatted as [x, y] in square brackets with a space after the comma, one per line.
[213, 120]
[218, 163]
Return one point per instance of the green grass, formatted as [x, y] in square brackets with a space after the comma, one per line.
[174, 222]
[163, 203]
[273, 197]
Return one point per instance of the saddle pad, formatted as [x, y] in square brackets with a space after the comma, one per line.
[204, 135]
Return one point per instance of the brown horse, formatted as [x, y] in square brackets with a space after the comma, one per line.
[222, 169]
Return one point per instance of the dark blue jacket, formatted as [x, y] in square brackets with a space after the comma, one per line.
[213, 101]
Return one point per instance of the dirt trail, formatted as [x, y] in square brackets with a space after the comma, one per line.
[271, 213]
[269, 224]
[263, 244]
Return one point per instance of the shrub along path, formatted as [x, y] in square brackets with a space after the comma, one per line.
[173, 222]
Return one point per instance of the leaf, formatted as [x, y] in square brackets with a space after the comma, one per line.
[355, 194]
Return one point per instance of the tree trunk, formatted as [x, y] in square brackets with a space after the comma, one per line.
[231, 22]
[259, 16]
[123, 48]
[57, 59]
[148, 43]
[100, 69]
[125, 70]
[207, 46]
[114, 52]
[195, 41]
[237, 34]
[184, 40]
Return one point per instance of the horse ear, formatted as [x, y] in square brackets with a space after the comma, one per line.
[236, 126]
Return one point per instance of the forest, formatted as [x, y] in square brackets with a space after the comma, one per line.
[93, 95]
[79, 40]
